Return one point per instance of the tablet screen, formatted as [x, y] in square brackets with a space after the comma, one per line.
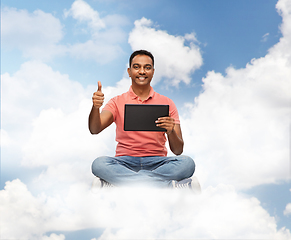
[142, 117]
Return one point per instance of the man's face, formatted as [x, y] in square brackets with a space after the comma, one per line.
[141, 70]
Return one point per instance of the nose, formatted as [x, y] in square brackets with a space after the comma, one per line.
[141, 70]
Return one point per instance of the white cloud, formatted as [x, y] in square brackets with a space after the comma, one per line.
[138, 213]
[35, 34]
[284, 9]
[174, 60]
[54, 124]
[83, 12]
[66, 132]
[24, 216]
[31, 93]
[63, 143]
[33, 88]
[38, 34]
[106, 33]
[238, 127]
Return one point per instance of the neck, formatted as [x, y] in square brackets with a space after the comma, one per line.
[141, 91]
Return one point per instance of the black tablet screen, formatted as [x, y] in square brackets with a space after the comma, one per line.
[142, 117]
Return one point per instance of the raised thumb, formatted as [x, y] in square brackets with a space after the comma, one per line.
[99, 86]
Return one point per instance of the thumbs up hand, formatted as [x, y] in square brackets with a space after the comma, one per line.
[98, 97]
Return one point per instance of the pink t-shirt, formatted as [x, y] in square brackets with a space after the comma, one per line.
[139, 143]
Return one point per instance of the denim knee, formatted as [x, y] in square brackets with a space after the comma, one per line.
[98, 164]
[190, 164]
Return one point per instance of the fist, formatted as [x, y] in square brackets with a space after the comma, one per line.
[98, 97]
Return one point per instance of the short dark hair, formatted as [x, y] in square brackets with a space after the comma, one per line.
[140, 52]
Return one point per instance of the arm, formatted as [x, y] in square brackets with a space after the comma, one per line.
[99, 121]
[174, 134]
[175, 140]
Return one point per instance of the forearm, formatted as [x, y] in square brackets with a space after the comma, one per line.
[94, 121]
[174, 134]
[176, 143]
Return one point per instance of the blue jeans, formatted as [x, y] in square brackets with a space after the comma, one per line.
[149, 171]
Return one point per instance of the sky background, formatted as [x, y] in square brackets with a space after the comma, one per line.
[227, 66]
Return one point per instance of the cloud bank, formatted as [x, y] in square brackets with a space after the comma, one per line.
[239, 126]
[138, 214]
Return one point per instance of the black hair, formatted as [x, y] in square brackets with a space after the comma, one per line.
[141, 52]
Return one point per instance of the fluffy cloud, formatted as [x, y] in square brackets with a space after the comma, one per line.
[38, 35]
[53, 131]
[39, 107]
[149, 213]
[83, 12]
[284, 9]
[33, 88]
[174, 60]
[22, 211]
[106, 33]
[238, 127]
[35, 34]
[63, 143]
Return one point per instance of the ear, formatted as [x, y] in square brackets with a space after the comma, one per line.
[128, 71]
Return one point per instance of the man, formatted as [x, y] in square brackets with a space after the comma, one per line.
[141, 157]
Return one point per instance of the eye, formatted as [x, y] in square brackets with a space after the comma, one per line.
[135, 67]
[148, 67]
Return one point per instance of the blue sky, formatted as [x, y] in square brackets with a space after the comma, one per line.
[226, 65]
[229, 33]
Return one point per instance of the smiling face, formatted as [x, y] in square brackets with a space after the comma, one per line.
[141, 70]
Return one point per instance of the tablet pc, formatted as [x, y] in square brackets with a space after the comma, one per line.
[142, 117]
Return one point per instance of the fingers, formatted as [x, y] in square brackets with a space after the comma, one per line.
[98, 97]
[167, 123]
[165, 120]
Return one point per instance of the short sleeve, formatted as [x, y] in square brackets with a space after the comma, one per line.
[112, 107]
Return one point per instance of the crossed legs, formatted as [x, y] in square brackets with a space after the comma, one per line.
[151, 171]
